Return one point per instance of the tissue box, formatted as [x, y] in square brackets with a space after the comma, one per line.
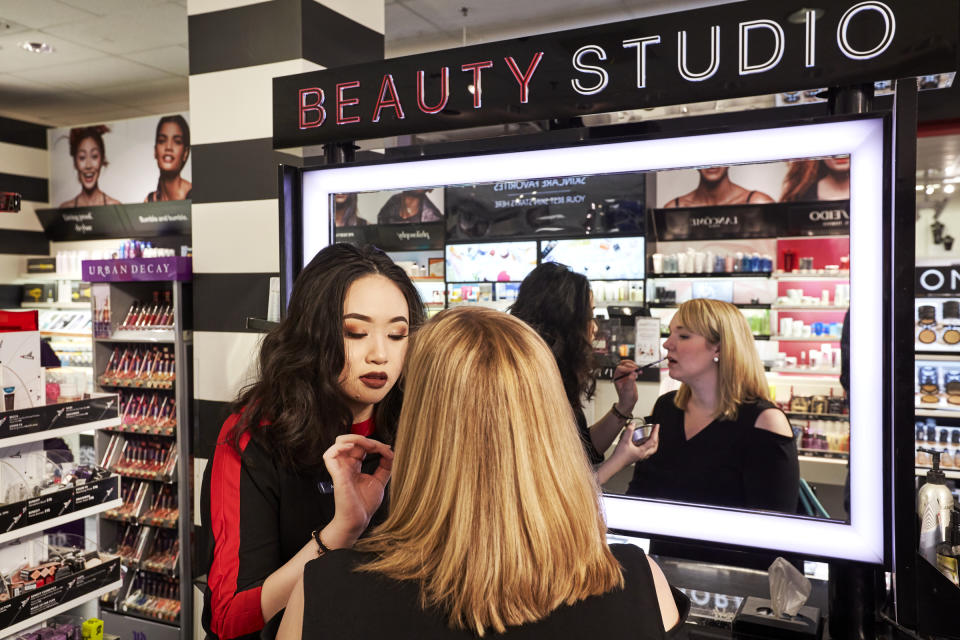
[755, 619]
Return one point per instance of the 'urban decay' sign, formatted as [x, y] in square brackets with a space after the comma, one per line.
[739, 49]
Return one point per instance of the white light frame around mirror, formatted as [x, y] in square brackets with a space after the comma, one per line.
[863, 139]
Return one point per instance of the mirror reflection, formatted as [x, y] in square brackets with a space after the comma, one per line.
[697, 315]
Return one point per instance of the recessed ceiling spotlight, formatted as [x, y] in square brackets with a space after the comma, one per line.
[949, 188]
[36, 47]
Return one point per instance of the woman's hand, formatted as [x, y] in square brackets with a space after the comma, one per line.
[628, 453]
[356, 495]
[626, 386]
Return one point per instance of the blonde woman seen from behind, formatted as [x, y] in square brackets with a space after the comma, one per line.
[495, 524]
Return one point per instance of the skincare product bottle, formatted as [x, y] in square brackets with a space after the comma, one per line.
[948, 552]
[934, 504]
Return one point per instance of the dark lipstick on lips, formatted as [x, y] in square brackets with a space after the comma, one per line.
[374, 379]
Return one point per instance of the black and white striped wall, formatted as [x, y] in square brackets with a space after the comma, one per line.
[236, 48]
[24, 169]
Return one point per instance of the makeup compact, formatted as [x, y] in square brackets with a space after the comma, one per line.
[643, 429]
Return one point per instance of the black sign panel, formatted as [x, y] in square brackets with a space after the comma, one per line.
[717, 223]
[740, 49]
[831, 218]
[23, 422]
[61, 591]
[937, 281]
[143, 220]
[547, 207]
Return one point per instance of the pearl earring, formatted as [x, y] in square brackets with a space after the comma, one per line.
[716, 358]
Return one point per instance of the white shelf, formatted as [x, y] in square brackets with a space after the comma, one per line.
[950, 473]
[808, 307]
[920, 410]
[141, 336]
[807, 371]
[48, 277]
[820, 276]
[13, 441]
[66, 606]
[806, 339]
[56, 522]
[921, 354]
[55, 305]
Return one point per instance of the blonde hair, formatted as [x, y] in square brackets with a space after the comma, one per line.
[494, 508]
[740, 377]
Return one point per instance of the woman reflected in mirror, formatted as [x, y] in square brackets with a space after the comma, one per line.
[722, 440]
[301, 464]
[89, 159]
[716, 189]
[495, 527]
[558, 304]
[171, 149]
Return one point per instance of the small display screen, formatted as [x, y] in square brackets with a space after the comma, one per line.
[599, 258]
[490, 261]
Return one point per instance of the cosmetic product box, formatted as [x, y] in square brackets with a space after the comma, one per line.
[32, 603]
[41, 265]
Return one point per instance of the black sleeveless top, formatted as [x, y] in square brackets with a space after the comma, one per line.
[341, 603]
[729, 463]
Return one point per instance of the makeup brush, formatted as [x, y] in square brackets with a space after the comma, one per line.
[646, 366]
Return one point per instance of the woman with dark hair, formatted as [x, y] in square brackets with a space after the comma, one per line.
[89, 157]
[171, 149]
[813, 180]
[345, 210]
[326, 388]
[558, 304]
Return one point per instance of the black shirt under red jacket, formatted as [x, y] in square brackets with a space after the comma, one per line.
[258, 514]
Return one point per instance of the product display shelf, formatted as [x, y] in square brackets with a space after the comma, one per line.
[55, 305]
[923, 412]
[952, 474]
[20, 426]
[13, 534]
[938, 354]
[145, 440]
[840, 417]
[673, 305]
[806, 371]
[819, 276]
[712, 274]
[13, 629]
[806, 339]
[809, 307]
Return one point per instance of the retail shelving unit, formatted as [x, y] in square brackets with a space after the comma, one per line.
[51, 504]
[142, 346]
[937, 381]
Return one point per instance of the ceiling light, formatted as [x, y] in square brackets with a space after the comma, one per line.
[949, 188]
[800, 15]
[36, 47]
[929, 191]
[919, 187]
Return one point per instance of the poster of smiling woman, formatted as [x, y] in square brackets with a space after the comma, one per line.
[137, 160]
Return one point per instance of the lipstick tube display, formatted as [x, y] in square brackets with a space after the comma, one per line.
[154, 596]
[139, 367]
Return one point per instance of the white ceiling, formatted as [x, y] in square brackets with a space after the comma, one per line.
[116, 59]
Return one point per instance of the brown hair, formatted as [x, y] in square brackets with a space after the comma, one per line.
[487, 450]
[79, 134]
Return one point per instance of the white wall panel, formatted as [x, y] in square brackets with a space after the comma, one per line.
[236, 237]
[222, 363]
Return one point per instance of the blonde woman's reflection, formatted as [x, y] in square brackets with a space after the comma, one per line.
[715, 188]
[722, 441]
[89, 158]
[813, 180]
